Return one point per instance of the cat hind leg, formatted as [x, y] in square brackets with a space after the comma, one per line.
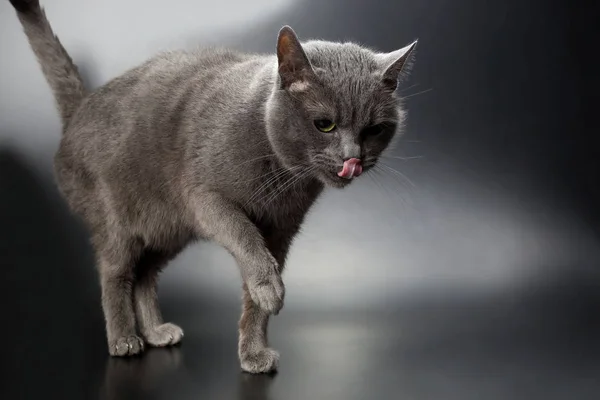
[155, 331]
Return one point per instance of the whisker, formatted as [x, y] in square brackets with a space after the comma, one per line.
[268, 182]
[400, 174]
[409, 87]
[402, 158]
[260, 200]
[300, 176]
[293, 180]
[416, 94]
[324, 158]
[399, 195]
[264, 175]
[381, 186]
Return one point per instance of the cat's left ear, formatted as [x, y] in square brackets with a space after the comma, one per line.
[294, 68]
[395, 63]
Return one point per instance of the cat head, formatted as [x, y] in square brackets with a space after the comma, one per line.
[334, 108]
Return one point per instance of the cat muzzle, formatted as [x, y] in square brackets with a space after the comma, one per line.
[351, 168]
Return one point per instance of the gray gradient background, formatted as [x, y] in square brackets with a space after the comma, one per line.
[473, 275]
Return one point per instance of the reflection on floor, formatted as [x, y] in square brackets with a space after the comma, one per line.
[542, 347]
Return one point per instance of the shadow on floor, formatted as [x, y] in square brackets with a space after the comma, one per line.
[52, 328]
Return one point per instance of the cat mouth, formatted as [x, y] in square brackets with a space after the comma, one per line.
[332, 179]
[351, 168]
[341, 176]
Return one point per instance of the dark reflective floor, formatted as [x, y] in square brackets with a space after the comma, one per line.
[540, 346]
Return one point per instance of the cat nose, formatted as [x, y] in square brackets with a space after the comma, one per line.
[350, 148]
[353, 159]
[351, 152]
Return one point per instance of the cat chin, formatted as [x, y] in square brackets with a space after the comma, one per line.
[334, 181]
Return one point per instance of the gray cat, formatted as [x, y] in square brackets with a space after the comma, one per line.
[214, 145]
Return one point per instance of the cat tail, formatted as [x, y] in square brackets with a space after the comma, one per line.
[58, 67]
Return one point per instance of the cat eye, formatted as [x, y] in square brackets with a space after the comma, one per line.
[325, 125]
[375, 130]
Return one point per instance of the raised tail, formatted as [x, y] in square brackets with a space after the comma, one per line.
[57, 66]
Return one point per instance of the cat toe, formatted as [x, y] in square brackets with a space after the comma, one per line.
[164, 335]
[126, 346]
[263, 361]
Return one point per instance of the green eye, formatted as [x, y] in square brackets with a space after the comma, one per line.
[325, 125]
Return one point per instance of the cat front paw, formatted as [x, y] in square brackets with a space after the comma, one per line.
[268, 294]
[125, 346]
[259, 362]
[164, 335]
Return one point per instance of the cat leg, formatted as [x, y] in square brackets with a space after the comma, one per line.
[253, 348]
[225, 223]
[116, 266]
[147, 309]
[254, 354]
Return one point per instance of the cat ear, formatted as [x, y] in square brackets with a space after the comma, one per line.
[395, 63]
[294, 67]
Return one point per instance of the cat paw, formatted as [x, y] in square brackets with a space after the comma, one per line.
[164, 335]
[126, 346]
[263, 361]
[268, 294]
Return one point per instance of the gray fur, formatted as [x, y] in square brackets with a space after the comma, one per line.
[57, 66]
[213, 145]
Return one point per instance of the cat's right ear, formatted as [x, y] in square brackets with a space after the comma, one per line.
[395, 64]
[294, 68]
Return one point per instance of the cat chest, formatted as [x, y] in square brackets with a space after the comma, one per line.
[284, 207]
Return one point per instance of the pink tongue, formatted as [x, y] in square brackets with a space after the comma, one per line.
[351, 169]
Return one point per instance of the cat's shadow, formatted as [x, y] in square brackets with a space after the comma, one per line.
[255, 387]
[47, 289]
[138, 377]
[157, 369]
